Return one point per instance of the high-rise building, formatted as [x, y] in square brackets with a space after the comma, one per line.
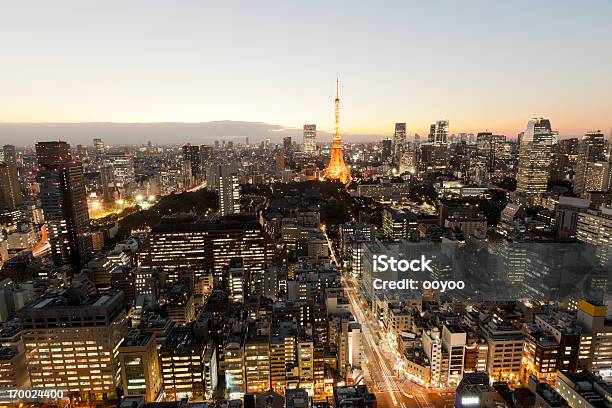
[566, 215]
[257, 360]
[215, 170]
[387, 150]
[82, 152]
[185, 366]
[9, 153]
[107, 182]
[595, 227]
[310, 139]
[490, 146]
[439, 132]
[399, 142]
[596, 177]
[236, 280]
[233, 351]
[399, 224]
[280, 163]
[64, 203]
[71, 342]
[193, 154]
[99, 149]
[305, 360]
[188, 178]
[454, 341]
[122, 169]
[535, 156]
[436, 354]
[208, 246]
[10, 191]
[337, 168]
[596, 339]
[141, 371]
[506, 343]
[408, 161]
[590, 151]
[229, 193]
[287, 143]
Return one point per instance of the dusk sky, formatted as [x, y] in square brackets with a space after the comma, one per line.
[480, 64]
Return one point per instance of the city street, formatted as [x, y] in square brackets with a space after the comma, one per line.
[392, 389]
[389, 382]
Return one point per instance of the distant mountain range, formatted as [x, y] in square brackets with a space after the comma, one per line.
[23, 134]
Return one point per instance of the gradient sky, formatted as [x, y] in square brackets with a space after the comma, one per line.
[480, 64]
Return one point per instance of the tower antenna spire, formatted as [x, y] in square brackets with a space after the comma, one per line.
[337, 168]
[337, 87]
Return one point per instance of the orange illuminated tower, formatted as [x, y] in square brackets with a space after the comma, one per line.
[337, 168]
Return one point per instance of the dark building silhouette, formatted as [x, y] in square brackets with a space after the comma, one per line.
[64, 203]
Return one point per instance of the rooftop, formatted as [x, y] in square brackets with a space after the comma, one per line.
[137, 338]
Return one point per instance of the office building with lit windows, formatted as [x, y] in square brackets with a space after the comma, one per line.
[535, 155]
[399, 141]
[13, 373]
[233, 352]
[183, 365]
[207, 246]
[71, 341]
[505, 345]
[595, 352]
[595, 227]
[257, 359]
[310, 139]
[141, 371]
[438, 132]
[10, 191]
[399, 224]
[591, 157]
[226, 181]
[583, 389]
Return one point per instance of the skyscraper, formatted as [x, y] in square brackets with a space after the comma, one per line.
[399, 142]
[192, 153]
[490, 146]
[122, 164]
[206, 154]
[387, 150]
[9, 153]
[229, 191]
[310, 139]
[534, 159]
[438, 132]
[287, 143]
[590, 152]
[597, 177]
[337, 168]
[10, 192]
[64, 203]
[408, 161]
[99, 148]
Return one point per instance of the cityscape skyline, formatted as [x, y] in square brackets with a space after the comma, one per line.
[176, 74]
[434, 230]
[178, 133]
